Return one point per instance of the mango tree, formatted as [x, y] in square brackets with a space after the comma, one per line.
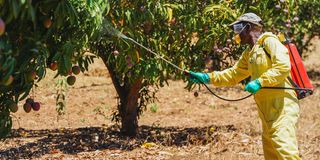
[186, 33]
[36, 35]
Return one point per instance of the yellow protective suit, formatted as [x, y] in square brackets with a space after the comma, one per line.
[278, 109]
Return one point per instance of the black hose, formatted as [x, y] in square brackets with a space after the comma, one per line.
[225, 99]
[304, 89]
[242, 98]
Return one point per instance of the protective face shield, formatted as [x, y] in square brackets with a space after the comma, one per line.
[238, 28]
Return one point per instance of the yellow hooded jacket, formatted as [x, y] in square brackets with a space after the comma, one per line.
[255, 63]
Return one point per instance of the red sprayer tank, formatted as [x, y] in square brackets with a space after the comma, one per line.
[298, 72]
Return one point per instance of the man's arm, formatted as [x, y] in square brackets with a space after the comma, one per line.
[233, 75]
[280, 60]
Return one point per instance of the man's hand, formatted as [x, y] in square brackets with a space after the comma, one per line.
[253, 86]
[198, 77]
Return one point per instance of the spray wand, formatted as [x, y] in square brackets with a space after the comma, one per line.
[154, 53]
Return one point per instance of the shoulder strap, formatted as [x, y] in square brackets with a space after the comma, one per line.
[266, 52]
[289, 78]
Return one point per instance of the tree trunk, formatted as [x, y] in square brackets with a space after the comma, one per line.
[129, 96]
[129, 119]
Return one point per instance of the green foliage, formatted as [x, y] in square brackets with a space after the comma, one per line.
[298, 19]
[62, 89]
[306, 24]
[38, 33]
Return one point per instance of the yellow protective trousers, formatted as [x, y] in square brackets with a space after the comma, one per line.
[279, 117]
[278, 109]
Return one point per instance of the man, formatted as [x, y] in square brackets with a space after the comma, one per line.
[267, 61]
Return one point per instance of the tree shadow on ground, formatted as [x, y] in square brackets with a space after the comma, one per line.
[73, 141]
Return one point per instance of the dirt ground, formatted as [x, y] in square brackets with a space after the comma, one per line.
[179, 126]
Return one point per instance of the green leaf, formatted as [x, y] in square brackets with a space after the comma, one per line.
[15, 8]
[67, 62]
[22, 2]
[26, 93]
[90, 3]
[32, 14]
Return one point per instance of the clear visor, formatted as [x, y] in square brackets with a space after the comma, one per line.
[237, 28]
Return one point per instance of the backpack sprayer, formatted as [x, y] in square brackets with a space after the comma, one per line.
[300, 80]
[298, 71]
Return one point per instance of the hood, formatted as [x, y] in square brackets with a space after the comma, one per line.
[264, 36]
